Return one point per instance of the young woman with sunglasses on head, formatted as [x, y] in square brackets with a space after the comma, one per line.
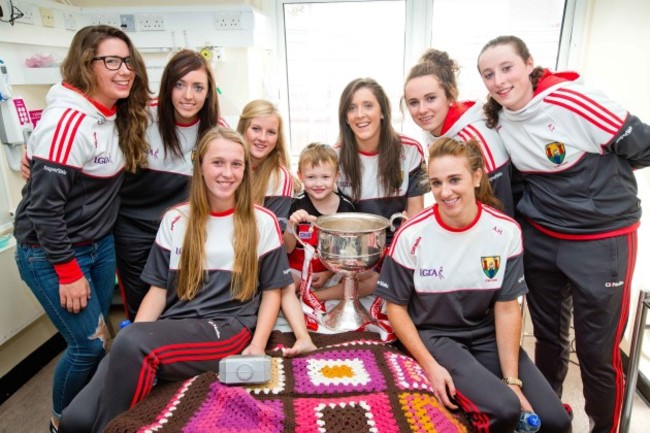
[91, 131]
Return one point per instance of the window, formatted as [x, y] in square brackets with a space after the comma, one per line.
[328, 44]
[539, 24]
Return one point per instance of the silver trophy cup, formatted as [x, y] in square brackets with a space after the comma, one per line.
[350, 243]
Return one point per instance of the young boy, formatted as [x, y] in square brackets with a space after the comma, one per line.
[318, 170]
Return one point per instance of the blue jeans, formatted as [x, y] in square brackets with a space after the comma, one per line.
[85, 333]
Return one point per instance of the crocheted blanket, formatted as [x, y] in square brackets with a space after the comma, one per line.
[354, 382]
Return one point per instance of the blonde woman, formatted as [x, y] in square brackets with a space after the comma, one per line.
[216, 273]
[273, 185]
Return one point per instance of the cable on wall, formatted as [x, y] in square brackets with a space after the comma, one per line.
[14, 15]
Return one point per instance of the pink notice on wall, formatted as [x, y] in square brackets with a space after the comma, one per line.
[35, 116]
[21, 110]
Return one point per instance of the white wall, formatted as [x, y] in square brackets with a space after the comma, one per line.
[29, 339]
[616, 57]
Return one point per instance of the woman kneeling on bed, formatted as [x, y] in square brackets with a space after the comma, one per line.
[451, 280]
[218, 274]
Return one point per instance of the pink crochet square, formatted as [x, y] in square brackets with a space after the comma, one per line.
[407, 372]
[338, 371]
[232, 410]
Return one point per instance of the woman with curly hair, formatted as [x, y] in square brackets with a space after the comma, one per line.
[576, 150]
[92, 130]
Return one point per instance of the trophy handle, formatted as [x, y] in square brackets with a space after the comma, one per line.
[393, 217]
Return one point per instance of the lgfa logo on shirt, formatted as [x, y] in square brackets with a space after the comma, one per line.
[555, 152]
[104, 159]
[490, 265]
[433, 273]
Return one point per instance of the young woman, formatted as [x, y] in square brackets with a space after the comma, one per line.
[576, 150]
[273, 186]
[431, 96]
[451, 280]
[187, 107]
[92, 129]
[381, 171]
[216, 273]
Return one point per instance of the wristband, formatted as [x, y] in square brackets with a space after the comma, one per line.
[513, 381]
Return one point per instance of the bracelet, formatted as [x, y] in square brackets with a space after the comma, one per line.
[513, 381]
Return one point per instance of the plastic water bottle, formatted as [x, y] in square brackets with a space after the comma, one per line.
[528, 423]
[125, 323]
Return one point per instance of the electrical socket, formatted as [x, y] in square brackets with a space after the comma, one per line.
[47, 17]
[227, 20]
[107, 19]
[30, 12]
[127, 22]
[71, 20]
[149, 22]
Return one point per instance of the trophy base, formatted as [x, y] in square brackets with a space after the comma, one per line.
[347, 315]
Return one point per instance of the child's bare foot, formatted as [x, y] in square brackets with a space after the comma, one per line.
[301, 346]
